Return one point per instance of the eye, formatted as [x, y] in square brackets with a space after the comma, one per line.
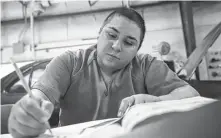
[128, 43]
[111, 35]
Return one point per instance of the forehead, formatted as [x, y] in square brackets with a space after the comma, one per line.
[124, 25]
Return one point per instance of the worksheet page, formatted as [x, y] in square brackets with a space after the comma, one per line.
[136, 114]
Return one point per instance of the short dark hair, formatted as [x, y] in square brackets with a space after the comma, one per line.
[130, 14]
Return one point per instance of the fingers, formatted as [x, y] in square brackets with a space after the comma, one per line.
[23, 117]
[14, 133]
[27, 118]
[135, 99]
[145, 98]
[19, 129]
[34, 109]
[47, 107]
[140, 99]
[125, 103]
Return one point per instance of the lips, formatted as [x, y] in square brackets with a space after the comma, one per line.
[114, 56]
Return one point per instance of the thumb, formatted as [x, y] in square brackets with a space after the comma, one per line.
[125, 103]
[48, 108]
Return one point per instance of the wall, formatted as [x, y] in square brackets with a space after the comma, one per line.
[163, 23]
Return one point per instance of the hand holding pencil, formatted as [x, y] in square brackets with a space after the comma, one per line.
[29, 116]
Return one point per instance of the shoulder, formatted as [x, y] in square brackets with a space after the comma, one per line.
[140, 65]
[144, 57]
[74, 59]
[149, 64]
[143, 61]
[78, 54]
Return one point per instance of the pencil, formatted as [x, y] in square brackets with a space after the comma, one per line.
[18, 71]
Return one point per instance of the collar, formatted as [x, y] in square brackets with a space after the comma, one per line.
[93, 54]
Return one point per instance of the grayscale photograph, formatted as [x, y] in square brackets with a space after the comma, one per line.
[110, 69]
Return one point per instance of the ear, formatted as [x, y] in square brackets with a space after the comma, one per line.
[99, 33]
[100, 30]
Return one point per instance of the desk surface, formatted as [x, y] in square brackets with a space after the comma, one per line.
[74, 131]
[134, 116]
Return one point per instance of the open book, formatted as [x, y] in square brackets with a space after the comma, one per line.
[136, 115]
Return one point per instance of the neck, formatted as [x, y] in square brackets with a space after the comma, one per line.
[105, 70]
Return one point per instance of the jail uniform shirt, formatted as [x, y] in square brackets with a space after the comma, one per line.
[74, 80]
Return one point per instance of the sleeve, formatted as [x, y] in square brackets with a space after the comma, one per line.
[57, 77]
[159, 79]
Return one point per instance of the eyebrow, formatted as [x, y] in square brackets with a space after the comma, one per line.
[131, 37]
[114, 29]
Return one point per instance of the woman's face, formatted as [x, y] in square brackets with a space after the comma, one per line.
[118, 42]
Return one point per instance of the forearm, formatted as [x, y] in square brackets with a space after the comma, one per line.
[180, 93]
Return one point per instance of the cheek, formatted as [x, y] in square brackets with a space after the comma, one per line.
[129, 55]
[104, 46]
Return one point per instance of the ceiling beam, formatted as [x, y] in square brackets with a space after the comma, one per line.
[49, 14]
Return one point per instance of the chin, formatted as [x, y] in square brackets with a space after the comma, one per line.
[110, 64]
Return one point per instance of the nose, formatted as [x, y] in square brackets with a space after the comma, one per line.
[117, 46]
